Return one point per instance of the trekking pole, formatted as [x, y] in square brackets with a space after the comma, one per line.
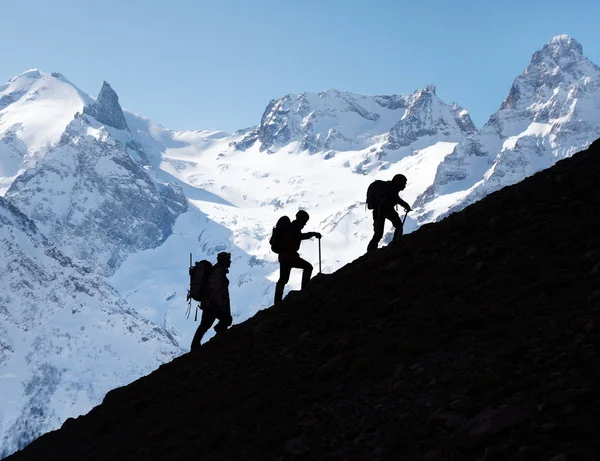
[405, 216]
[319, 256]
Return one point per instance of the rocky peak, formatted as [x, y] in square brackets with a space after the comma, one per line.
[463, 119]
[107, 109]
[559, 64]
[562, 45]
[427, 115]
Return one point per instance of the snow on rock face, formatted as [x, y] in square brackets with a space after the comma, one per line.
[66, 336]
[90, 193]
[345, 121]
[428, 116]
[35, 109]
[107, 109]
[551, 112]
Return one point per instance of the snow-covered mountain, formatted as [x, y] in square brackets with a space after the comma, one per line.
[125, 199]
[92, 184]
[551, 112]
[341, 121]
[31, 121]
[313, 151]
[66, 336]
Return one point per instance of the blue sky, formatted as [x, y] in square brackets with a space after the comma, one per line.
[217, 64]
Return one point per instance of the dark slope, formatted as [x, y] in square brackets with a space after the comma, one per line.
[473, 339]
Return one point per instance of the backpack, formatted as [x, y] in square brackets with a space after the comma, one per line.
[376, 193]
[277, 239]
[199, 274]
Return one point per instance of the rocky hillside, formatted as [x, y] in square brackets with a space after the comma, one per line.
[472, 339]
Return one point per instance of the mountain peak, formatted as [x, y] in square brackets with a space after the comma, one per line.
[30, 73]
[558, 51]
[562, 44]
[107, 109]
[560, 63]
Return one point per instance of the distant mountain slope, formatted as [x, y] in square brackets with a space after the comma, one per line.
[66, 336]
[92, 191]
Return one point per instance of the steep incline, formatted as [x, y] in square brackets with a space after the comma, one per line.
[473, 338]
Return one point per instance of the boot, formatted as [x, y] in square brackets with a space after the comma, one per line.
[197, 341]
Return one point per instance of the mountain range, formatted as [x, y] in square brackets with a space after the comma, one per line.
[101, 208]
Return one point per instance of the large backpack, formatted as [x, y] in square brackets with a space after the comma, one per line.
[199, 274]
[277, 239]
[376, 193]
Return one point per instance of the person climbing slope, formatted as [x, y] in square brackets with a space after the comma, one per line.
[215, 304]
[286, 240]
[382, 197]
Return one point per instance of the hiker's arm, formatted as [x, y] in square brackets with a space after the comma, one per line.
[310, 235]
[404, 205]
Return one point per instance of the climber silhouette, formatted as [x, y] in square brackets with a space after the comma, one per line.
[216, 304]
[291, 237]
[382, 197]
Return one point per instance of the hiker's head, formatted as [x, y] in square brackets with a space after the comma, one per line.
[302, 217]
[399, 181]
[224, 259]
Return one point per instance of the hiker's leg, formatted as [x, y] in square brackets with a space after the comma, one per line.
[397, 223]
[284, 276]
[378, 225]
[225, 321]
[205, 323]
[306, 270]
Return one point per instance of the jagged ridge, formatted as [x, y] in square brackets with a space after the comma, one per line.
[474, 336]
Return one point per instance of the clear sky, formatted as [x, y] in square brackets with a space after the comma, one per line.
[216, 64]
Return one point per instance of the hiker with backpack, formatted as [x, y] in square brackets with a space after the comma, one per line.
[215, 304]
[285, 241]
[382, 197]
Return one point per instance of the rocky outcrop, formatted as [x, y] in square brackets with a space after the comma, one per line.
[107, 109]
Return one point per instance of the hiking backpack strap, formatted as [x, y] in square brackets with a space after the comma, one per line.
[189, 293]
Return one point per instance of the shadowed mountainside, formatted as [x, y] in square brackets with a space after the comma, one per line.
[471, 339]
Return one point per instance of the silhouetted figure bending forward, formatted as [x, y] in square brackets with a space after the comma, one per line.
[289, 257]
[216, 304]
[386, 199]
